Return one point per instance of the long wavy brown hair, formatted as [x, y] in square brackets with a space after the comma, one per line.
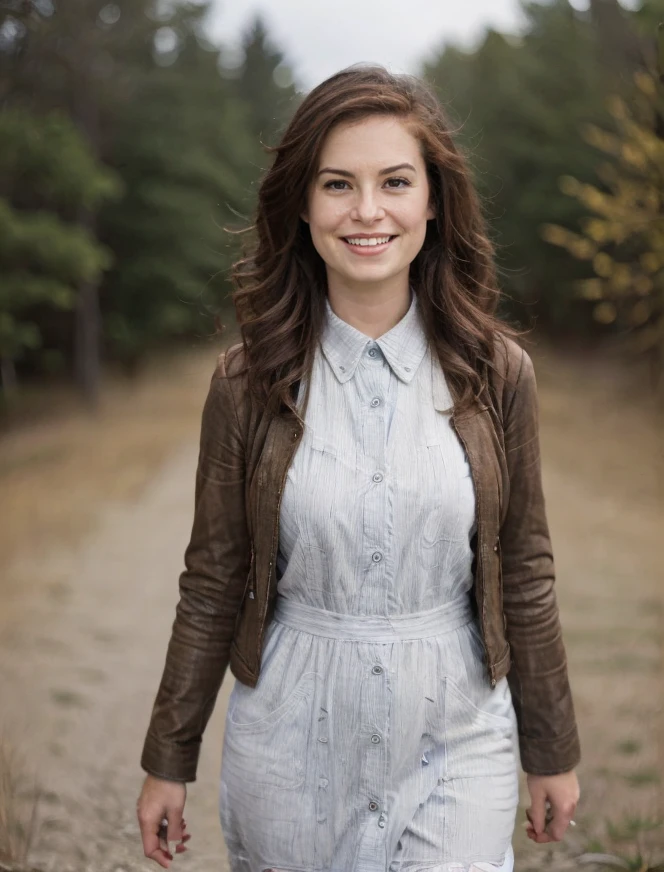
[280, 282]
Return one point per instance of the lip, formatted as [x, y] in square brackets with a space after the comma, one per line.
[369, 250]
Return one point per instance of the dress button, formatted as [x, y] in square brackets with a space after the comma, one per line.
[372, 352]
[376, 557]
[407, 368]
[378, 476]
[375, 738]
[381, 822]
[375, 402]
[342, 369]
[373, 806]
[377, 670]
[322, 739]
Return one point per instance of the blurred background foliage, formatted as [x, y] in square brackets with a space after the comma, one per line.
[129, 141]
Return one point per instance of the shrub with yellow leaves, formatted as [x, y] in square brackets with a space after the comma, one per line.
[623, 236]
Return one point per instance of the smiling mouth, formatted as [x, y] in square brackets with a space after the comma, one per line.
[368, 241]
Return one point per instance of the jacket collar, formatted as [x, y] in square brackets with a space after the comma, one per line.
[404, 346]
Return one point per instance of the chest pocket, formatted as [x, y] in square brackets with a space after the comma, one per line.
[449, 503]
[322, 442]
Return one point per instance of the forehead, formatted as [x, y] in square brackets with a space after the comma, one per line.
[377, 140]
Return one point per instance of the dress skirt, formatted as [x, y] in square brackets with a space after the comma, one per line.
[370, 745]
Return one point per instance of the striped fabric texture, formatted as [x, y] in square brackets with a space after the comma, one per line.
[373, 741]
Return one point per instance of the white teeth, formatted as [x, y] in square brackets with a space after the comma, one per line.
[375, 240]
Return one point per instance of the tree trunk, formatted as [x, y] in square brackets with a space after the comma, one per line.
[87, 350]
[7, 377]
[87, 340]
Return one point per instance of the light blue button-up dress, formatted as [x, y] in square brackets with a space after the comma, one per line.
[373, 741]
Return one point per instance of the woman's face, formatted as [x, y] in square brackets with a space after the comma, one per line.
[368, 205]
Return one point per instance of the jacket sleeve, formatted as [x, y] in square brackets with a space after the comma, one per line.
[211, 588]
[548, 736]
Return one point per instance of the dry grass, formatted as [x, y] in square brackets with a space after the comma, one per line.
[19, 805]
[58, 469]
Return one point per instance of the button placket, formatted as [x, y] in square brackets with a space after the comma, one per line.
[322, 761]
[376, 696]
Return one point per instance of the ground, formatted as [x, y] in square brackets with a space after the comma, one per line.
[96, 515]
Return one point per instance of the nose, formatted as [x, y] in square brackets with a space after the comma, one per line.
[367, 208]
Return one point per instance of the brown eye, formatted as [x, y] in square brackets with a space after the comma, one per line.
[399, 183]
[334, 182]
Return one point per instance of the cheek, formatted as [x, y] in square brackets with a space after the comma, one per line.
[324, 215]
[332, 218]
[325, 224]
[414, 216]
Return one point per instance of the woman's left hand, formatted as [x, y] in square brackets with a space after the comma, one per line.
[561, 792]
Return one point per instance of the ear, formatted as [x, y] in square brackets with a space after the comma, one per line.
[431, 212]
[304, 215]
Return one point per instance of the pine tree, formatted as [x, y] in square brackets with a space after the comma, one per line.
[264, 83]
[47, 175]
[187, 160]
[518, 104]
[67, 54]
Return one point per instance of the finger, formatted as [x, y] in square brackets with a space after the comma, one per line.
[164, 858]
[175, 827]
[541, 838]
[151, 843]
[536, 814]
[181, 846]
[560, 822]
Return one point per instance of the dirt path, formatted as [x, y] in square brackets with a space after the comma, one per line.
[83, 632]
[82, 651]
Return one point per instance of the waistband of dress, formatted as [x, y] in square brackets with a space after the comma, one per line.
[393, 628]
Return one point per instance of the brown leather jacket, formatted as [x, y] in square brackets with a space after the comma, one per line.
[228, 588]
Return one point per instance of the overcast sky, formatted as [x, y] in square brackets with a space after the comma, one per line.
[322, 36]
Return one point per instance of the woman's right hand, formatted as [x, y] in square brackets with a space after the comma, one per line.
[161, 799]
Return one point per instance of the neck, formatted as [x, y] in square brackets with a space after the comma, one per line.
[371, 309]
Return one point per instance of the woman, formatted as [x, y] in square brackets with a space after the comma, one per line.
[370, 549]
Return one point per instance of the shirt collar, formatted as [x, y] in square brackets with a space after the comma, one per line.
[404, 346]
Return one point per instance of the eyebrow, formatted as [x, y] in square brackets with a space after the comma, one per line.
[385, 172]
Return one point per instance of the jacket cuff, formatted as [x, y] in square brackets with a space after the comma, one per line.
[550, 758]
[170, 761]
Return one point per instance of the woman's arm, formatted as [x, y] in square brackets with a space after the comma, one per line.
[211, 588]
[538, 680]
